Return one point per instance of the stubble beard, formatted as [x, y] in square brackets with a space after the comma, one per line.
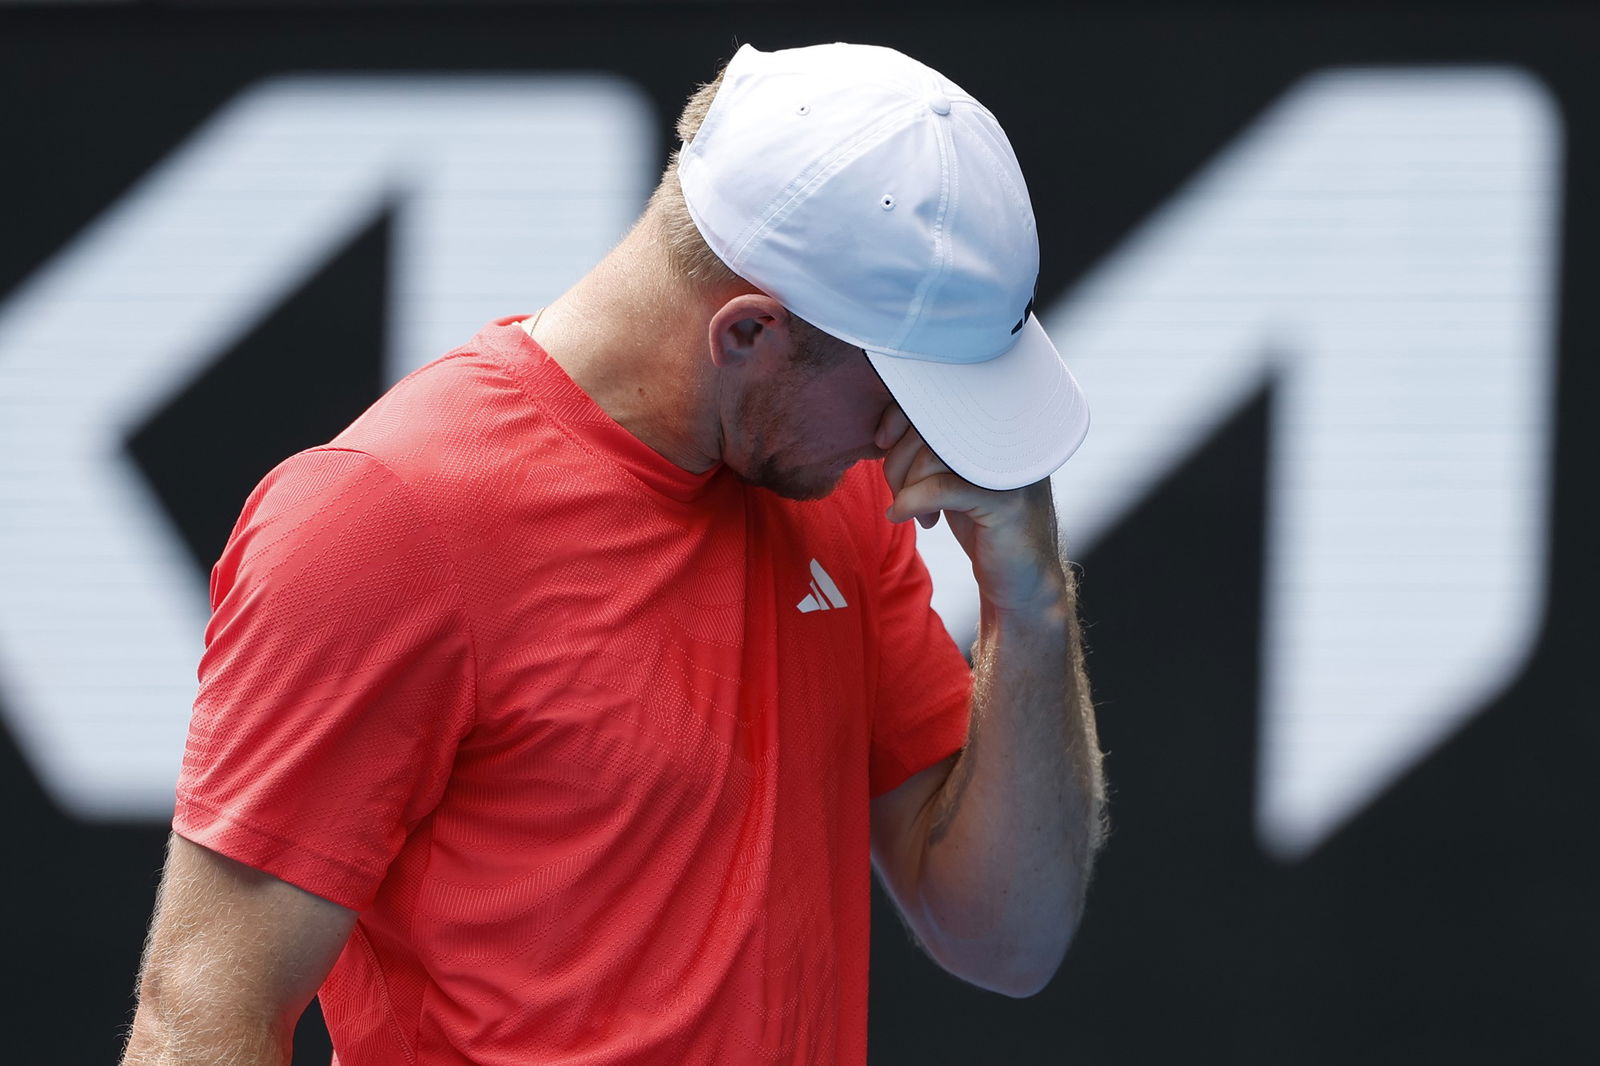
[761, 411]
[792, 483]
[758, 414]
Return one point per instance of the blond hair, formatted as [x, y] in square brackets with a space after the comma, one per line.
[688, 256]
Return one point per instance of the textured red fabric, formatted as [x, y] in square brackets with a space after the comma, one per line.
[544, 708]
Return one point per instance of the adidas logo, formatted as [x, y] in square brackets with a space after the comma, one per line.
[825, 595]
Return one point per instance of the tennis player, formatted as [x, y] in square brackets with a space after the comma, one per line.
[559, 709]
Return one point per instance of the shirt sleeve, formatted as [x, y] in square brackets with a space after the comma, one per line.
[337, 680]
[924, 683]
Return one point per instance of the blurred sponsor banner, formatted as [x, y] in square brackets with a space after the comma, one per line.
[1320, 274]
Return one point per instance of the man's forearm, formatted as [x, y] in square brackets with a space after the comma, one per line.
[1011, 836]
[206, 1036]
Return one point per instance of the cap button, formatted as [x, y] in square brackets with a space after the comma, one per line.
[940, 105]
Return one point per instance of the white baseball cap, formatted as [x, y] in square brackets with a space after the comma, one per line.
[879, 202]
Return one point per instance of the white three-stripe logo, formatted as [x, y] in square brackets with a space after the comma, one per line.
[825, 595]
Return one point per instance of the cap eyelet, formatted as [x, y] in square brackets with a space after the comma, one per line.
[886, 201]
[803, 109]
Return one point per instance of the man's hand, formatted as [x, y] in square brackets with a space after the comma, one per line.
[1010, 535]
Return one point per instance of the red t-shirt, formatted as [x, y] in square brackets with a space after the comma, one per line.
[588, 740]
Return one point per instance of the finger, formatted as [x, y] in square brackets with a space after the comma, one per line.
[897, 464]
[891, 427]
[930, 495]
[924, 464]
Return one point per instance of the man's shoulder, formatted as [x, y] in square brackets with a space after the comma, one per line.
[468, 433]
[449, 414]
[452, 441]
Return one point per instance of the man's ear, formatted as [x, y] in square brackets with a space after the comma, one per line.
[746, 328]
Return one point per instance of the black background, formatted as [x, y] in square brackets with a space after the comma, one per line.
[1453, 921]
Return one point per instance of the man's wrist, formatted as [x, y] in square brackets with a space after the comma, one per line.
[1053, 607]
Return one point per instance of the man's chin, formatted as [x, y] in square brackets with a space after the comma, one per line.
[799, 483]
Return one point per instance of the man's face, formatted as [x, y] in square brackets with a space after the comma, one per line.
[799, 429]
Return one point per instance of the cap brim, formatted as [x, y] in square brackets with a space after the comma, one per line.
[1001, 424]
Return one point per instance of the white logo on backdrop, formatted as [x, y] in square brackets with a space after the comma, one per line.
[1383, 245]
[1380, 242]
[506, 189]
